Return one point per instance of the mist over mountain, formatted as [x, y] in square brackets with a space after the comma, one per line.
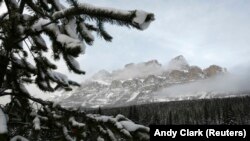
[178, 63]
[153, 82]
[175, 67]
[131, 70]
[221, 85]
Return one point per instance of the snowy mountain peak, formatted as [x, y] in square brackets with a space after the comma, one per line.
[102, 74]
[178, 63]
[153, 63]
[179, 57]
[137, 83]
[133, 70]
[214, 70]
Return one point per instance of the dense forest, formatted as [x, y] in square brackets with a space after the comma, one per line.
[206, 111]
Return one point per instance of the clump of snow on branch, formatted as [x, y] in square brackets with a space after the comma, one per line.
[56, 116]
[36, 123]
[86, 33]
[66, 134]
[75, 123]
[132, 127]
[71, 45]
[38, 26]
[40, 42]
[23, 89]
[100, 139]
[142, 19]
[58, 77]
[123, 124]
[73, 64]
[23, 63]
[85, 8]
[19, 138]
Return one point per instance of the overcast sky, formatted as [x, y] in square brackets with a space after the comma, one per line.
[204, 32]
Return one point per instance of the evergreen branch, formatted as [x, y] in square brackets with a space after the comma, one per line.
[93, 11]
[34, 7]
[72, 64]
[22, 5]
[103, 33]
[29, 49]
[64, 29]
[85, 32]
[3, 16]
[22, 39]
[2, 90]
[91, 27]
[38, 100]
[43, 102]
[7, 5]
[44, 5]
[106, 14]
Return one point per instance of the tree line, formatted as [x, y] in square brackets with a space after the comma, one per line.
[225, 111]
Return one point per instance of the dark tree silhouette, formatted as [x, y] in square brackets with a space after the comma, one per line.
[219, 111]
[100, 110]
[170, 120]
[206, 114]
[133, 114]
[228, 115]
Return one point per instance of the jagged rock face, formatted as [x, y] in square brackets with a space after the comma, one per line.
[213, 70]
[195, 73]
[131, 84]
[138, 85]
[153, 63]
[137, 70]
[178, 75]
[116, 84]
[151, 79]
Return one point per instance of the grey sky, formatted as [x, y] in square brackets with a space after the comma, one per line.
[205, 32]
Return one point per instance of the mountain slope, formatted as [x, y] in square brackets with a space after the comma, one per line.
[139, 83]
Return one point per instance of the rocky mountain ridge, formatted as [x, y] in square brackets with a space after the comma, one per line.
[137, 83]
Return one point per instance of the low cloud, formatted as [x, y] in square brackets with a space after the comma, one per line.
[232, 82]
[137, 70]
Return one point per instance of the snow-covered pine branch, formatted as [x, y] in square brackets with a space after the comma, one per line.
[71, 122]
[137, 18]
[70, 29]
[18, 138]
